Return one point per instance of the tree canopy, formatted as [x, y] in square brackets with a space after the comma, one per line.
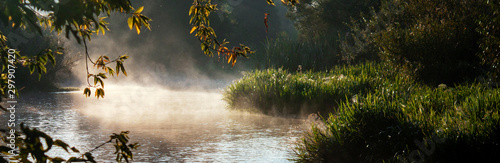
[84, 18]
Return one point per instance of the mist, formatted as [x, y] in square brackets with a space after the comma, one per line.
[170, 56]
[171, 100]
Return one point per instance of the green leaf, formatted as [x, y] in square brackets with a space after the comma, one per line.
[123, 57]
[43, 58]
[52, 58]
[118, 67]
[111, 71]
[96, 79]
[42, 68]
[32, 68]
[123, 70]
[102, 75]
[101, 82]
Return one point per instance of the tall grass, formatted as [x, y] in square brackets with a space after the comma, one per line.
[459, 124]
[315, 54]
[278, 91]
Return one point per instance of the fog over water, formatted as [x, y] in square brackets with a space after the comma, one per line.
[171, 100]
[170, 125]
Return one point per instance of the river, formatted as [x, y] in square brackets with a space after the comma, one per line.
[170, 126]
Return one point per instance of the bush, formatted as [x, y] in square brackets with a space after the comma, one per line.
[315, 18]
[438, 40]
[489, 43]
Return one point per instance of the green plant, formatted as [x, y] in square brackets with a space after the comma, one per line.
[438, 40]
[31, 145]
[409, 123]
[289, 54]
[315, 18]
[277, 91]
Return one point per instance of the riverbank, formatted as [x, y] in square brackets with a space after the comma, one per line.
[377, 113]
[280, 92]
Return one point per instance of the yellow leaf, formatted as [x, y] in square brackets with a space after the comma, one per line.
[192, 29]
[191, 9]
[234, 61]
[137, 29]
[139, 10]
[270, 2]
[130, 22]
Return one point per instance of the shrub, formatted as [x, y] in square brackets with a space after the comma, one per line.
[438, 40]
[315, 18]
[489, 43]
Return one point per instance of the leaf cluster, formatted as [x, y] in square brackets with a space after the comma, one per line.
[101, 63]
[80, 19]
[77, 17]
[200, 22]
[33, 145]
[10, 61]
[123, 149]
[137, 20]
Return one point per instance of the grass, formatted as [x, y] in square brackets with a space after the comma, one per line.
[280, 92]
[287, 53]
[460, 124]
[377, 114]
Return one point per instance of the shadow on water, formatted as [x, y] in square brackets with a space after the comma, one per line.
[169, 125]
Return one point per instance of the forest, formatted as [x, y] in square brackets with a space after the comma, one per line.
[358, 80]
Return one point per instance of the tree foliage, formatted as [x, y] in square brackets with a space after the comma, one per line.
[441, 41]
[35, 144]
[200, 12]
[315, 18]
[81, 19]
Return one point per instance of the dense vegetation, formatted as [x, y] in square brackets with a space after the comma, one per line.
[377, 114]
[277, 91]
[428, 92]
[401, 120]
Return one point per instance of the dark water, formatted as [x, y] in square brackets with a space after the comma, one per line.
[170, 126]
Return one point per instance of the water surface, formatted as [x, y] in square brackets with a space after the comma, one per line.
[173, 126]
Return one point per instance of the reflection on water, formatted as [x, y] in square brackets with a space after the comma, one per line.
[169, 125]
